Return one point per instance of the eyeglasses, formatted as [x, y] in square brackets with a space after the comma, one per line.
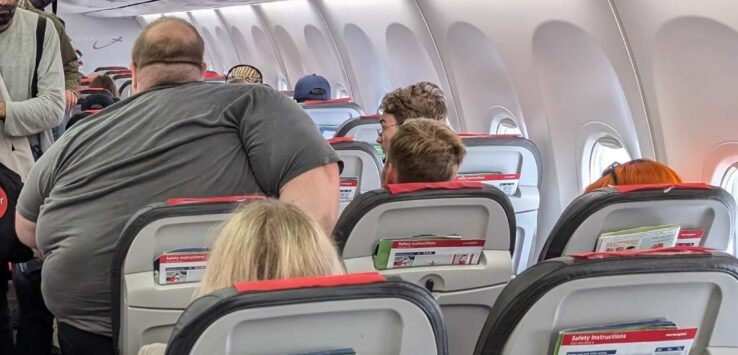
[610, 170]
[382, 129]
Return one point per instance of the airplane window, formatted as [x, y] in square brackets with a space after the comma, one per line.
[605, 151]
[730, 184]
[282, 83]
[508, 126]
[339, 91]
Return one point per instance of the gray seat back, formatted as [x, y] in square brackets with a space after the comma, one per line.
[89, 91]
[144, 311]
[362, 128]
[360, 162]
[699, 207]
[328, 115]
[361, 311]
[511, 155]
[125, 89]
[465, 292]
[691, 288]
[121, 79]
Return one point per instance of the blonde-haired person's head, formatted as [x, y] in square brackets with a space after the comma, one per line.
[423, 150]
[636, 172]
[266, 240]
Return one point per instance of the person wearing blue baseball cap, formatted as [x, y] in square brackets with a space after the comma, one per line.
[312, 87]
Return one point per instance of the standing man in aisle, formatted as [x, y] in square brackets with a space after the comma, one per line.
[31, 68]
[177, 136]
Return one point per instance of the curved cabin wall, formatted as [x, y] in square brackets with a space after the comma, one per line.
[686, 56]
[657, 77]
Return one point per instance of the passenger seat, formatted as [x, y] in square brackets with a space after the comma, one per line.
[692, 287]
[466, 293]
[363, 313]
[708, 210]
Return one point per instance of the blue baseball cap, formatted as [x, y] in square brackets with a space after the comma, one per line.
[312, 87]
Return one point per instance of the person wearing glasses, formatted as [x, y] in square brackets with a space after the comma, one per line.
[635, 172]
[423, 99]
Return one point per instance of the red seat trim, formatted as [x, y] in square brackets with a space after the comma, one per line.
[661, 251]
[485, 135]
[305, 282]
[648, 187]
[396, 189]
[335, 140]
[334, 101]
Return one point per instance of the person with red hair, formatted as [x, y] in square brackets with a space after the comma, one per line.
[635, 172]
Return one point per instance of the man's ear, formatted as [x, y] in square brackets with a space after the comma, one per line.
[134, 78]
[389, 174]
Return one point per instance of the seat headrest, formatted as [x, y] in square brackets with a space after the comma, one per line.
[205, 200]
[174, 207]
[522, 293]
[275, 293]
[110, 68]
[681, 250]
[305, 282]
[347, 126]
[335, 140]
[665, 187]
[97, 101]
[445, 193]
[325, 102]
[88, 91]
[507, 150]
[603, 200]
[113, 73]
[213, 75]
[487, 135]
[396, 189]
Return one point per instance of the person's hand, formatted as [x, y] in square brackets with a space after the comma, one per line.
[70, 99]
[39, 254]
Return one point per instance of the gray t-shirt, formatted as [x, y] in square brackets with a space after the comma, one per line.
[192, 140]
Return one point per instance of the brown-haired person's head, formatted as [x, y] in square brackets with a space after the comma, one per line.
[423, 99]
[423, 150]
[168, 51]
[105, 82]
[635, 172]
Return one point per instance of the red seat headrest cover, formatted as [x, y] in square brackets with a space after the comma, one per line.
[304, 282]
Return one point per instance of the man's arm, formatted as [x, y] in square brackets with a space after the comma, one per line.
[26, 231]
[46, 111]
[316, 192]
[36, 189]
[72, 76]
[287, 153]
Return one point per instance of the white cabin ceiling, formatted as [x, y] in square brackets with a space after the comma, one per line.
[124, 8]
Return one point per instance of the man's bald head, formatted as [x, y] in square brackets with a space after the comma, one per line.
[174, 47]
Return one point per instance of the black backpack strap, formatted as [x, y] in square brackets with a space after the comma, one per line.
[40, 36]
